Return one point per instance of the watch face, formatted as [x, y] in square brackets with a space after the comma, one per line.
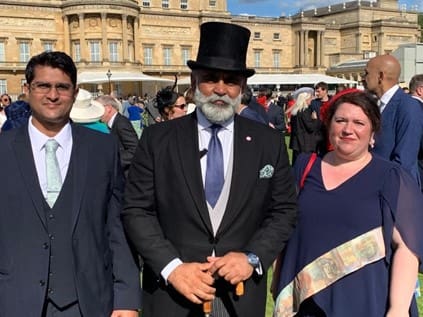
[253, 259]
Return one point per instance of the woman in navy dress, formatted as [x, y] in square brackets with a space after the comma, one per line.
[358, 243]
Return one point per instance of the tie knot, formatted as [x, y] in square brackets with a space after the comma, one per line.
[215, 128]
[51, 146]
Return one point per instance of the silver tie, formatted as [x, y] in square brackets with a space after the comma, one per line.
[54, 178]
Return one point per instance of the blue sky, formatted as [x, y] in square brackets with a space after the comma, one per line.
[287, 7]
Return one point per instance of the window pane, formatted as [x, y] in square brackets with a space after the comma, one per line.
[24, 52]
[257, 58]
[2, 52]
[95, 51]
[167, 56]
[48, 46]
[186, 55]
[276, 59]
[3, 86]
[148, 56]
[165, 4]
[76, 52]
[146, 3]
[184, 4]
[113, 51]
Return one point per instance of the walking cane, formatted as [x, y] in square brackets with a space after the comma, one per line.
[207, 306]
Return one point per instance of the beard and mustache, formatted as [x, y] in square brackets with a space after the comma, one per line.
[213, 112]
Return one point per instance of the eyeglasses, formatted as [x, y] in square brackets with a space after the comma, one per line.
[5, 100]
[44, 88]
[182, 107]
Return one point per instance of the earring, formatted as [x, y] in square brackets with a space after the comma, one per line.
[372, 143]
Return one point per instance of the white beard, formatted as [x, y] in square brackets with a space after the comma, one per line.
[213, 113]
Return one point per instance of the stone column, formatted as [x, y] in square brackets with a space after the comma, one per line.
[67, 46]
[301, 48]
[137, 40]
[306, 48]
[318, 49]
[84, 51]
[106, 52]
[125, 37]
[322, 51]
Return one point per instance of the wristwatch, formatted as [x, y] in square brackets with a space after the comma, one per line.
[253, 260]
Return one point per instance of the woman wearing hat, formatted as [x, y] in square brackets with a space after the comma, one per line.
[171, 104]
[88, 112]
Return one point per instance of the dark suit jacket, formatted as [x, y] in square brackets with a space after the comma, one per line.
[128, 139]
[106, 275]
[276, 117]
[402, 130]
[166, 215]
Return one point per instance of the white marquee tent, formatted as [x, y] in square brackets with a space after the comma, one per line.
[288, 79]
[101, 77]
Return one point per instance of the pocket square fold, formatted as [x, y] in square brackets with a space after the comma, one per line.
[267, 171]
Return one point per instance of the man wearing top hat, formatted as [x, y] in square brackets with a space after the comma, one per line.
[210, 201]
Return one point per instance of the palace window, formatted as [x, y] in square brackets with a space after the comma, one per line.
[2, 51]
[276, 36]
[167, 56]
[276, 59]
[257, 35]
[76, 51]
[95, 55]
[3, 86]
[146, 3]
[257, 58]
[212, 3]
[48, 46]
[184, 4]
[114, 51]
[186, 54]
[165, 4]
[24, 51]
[148, 55]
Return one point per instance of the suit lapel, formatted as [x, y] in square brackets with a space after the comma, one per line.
[243, 175]
[25, 159]
[78, 163]
[188, 148]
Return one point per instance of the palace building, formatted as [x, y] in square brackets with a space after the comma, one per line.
[128, 38]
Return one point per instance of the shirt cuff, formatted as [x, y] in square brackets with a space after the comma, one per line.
[172, 265]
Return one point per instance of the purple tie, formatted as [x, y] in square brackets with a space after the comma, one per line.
[214, 172]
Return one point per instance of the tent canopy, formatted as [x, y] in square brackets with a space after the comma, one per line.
[295, 79]
[286, 79]
[101, 77]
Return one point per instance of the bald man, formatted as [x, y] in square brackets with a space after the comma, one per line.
[402, 116]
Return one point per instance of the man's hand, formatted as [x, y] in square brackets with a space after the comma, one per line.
[193, 281]
[124, 313]
[233, 267]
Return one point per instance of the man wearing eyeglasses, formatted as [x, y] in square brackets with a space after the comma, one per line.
[63, 249]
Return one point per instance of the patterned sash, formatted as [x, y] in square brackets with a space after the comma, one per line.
[328, 268]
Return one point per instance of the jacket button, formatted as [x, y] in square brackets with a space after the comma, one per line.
[211, 240]
[42, 283]
[45, 246]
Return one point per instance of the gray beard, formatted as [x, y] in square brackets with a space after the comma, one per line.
[213, 113]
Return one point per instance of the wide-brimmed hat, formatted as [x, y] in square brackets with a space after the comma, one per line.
[301, 90]
[85, 109]
[223, 46]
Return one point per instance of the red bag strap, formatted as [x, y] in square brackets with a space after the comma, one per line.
[307, 169]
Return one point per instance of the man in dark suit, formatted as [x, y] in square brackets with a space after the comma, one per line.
[120, 126]
[402, 115]
[62, 245]
[210, 200]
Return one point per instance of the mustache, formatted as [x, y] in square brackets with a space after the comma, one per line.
[213, 98]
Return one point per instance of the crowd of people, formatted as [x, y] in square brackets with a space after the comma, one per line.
[197, 191]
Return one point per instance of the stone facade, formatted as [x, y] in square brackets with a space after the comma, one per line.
[156, 37]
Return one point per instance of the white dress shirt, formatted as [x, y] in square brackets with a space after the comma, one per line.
[63, 153]
[226, 136]
[387, 97]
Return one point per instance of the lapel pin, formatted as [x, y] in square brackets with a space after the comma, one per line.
[248, 138]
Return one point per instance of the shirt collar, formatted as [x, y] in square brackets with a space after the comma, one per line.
[386, 97]
[112, 119]
[39, 139]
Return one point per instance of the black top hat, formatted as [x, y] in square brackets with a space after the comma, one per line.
[223, 46]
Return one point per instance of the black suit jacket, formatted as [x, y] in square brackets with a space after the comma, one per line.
[276, 117]
[106, 275]
[128, 139]
[166, 215]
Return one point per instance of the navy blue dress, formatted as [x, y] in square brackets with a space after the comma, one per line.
[380, 195]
